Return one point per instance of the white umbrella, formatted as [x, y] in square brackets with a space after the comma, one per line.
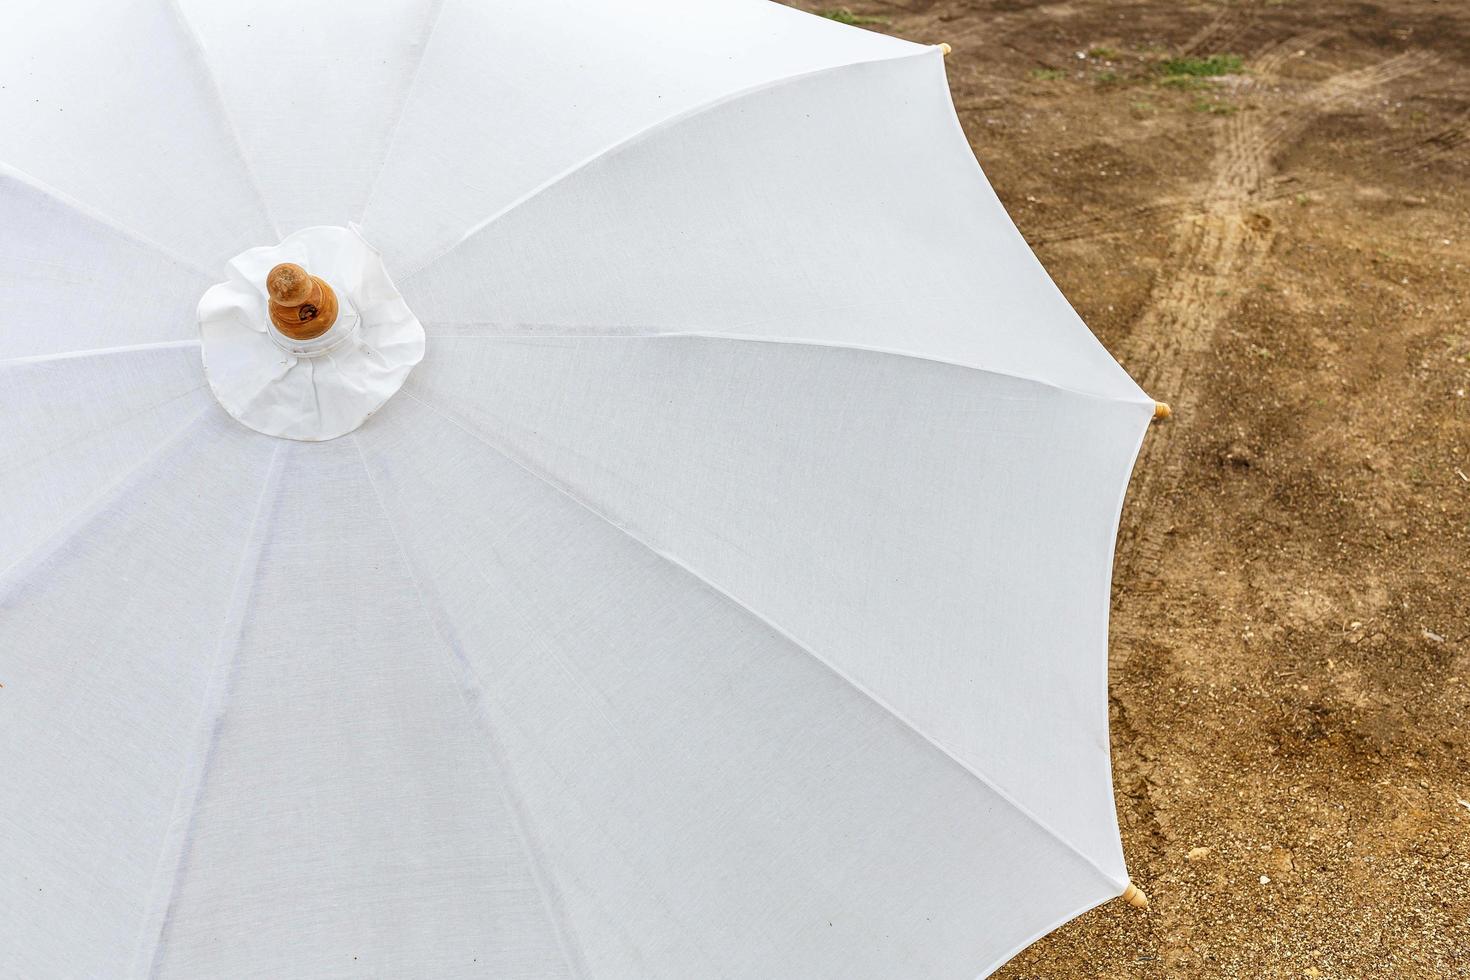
[686, 554]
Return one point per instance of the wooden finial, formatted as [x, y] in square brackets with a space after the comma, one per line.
[301, 305]
[945, 49]
[1162, 411]
[1134, 896]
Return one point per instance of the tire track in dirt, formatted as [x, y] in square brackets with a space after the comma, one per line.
[1163, 211]
[1267, 64]
[1214, 254]
[1265, 69]
[1447, 141]
[1216, 251]
[1222, 29]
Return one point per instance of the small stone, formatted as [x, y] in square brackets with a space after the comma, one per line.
[1239, 454]
[1265, 879]
[1198, 853]
[1432, 636]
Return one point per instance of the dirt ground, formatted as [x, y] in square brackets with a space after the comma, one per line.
[1277, 243]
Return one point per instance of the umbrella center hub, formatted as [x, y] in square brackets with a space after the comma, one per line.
[307, 339]
[306, 316]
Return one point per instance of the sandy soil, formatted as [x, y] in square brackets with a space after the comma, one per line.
[1282, 251]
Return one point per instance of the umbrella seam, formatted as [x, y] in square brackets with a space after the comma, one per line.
[648, 132]
[96, 352]
[113, 423]
[408, 92]
[107, 221]
[1143, 399]
[212, 87]
[546, 889]
[83, 515]
[855, 685]
[177, 842]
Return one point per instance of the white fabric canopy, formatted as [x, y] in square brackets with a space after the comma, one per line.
[724, 594]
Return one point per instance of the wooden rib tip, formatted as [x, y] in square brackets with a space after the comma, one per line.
[1162, 411]
[945, 49]
[1134, 896]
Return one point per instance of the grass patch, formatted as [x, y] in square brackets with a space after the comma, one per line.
[1047, 74]
[1192, 74]
[1212, 67]
[1188, 82]
[845, 16]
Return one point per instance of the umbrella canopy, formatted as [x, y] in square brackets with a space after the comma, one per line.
[546, 489]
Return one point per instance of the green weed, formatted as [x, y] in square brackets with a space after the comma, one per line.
[1212, 67]
[845, 16]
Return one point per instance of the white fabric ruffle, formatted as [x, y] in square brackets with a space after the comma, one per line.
[323, 388]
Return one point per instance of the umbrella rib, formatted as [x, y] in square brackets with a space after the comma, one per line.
[96, 352]
[185, 814]
[638, 137]
[111, 424]
[673, 560]
[413, 81]
[618, 333]
[211, 84]
[464, 677]
[92, 214]
[88, 511]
